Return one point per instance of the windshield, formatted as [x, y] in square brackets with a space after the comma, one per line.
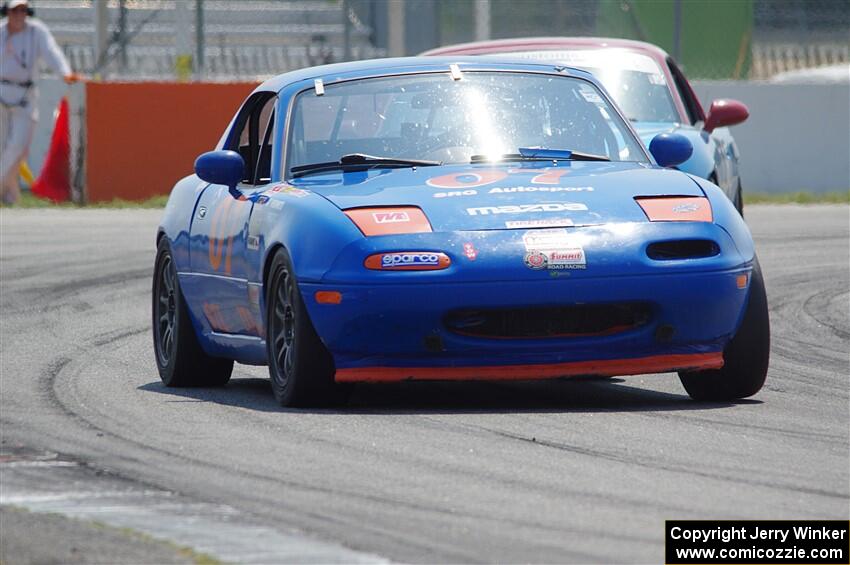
[432, 117]
[635, 81]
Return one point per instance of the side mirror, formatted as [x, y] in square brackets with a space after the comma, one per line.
[670, 149]
[725, 113]
[221, 167]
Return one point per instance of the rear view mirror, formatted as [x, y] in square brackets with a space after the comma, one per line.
[220, 167]
[670, 149]
[725, 113]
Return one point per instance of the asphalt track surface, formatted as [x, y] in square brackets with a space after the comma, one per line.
[561, 471]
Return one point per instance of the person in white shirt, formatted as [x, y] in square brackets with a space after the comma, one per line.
[24, 44]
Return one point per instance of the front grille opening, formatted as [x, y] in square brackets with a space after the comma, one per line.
[682, 249]
[579, 320]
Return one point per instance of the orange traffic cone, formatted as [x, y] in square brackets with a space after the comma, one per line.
[54, 182]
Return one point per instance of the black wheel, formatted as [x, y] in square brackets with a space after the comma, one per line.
[746, 356]
[179, 357]
[300, 367]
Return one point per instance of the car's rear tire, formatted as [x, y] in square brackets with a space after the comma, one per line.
[300, 366]
[179, 357]
[746, 356]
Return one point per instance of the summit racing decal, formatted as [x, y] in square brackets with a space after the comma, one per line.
[390, 217]
[556, 259]
[572, 258]
[527, 208]
[553, 249]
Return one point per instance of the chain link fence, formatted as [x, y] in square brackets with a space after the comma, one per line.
[239, 40]
[250, 39]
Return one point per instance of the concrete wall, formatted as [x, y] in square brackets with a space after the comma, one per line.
[797, 137]
[142, 137]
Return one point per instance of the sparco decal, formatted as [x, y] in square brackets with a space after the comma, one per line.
[390, 260]
[525, 208]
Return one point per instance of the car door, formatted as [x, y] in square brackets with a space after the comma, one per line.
[220, 238]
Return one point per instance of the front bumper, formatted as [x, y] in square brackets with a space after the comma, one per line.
[396, 332]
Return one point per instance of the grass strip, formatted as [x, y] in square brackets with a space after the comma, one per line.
[797, 197]
[28, 200]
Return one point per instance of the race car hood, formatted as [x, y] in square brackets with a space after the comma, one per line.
[513, 195]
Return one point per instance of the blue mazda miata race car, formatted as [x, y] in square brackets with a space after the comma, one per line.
[427, 218]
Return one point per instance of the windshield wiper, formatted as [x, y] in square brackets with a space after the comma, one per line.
[541, 154]
[359, 161]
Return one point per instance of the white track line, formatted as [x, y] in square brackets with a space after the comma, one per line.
[63, 487]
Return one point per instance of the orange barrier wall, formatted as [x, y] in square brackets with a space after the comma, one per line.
[141, 138]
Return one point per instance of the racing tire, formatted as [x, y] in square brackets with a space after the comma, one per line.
[746, 356]
[301, 368]
[180, 359]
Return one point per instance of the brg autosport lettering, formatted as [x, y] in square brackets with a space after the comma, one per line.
[527, 208]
